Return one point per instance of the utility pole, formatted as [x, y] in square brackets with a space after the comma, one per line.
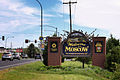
[70, 13]
[41, 17]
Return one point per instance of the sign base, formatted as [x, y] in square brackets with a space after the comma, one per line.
[54, 56]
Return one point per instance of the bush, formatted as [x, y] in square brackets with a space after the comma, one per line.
[102, 72]
[116, 75]
[113, 58]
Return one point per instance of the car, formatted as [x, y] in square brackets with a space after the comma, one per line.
[37, 56]
[24, 56]
[7, 56]
[16, 56]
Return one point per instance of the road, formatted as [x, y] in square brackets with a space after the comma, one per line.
[7, 64]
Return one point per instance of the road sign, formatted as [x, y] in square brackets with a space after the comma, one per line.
[41, 38]
[42, 46]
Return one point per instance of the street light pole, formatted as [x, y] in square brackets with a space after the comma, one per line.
[41, 17]
[52, 27]
[6, 41]
[56, 31]
[52, 31]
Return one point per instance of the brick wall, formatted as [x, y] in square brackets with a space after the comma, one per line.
[54, 58]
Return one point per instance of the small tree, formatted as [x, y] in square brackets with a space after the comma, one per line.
[111, 42]
[113, 54]
[31, 50]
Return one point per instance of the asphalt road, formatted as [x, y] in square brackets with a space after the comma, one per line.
[7, 64]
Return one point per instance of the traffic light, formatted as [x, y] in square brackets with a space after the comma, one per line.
[26, 41]
[35, 41]
[3, 38]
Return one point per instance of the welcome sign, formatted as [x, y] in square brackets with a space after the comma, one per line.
[76, 46]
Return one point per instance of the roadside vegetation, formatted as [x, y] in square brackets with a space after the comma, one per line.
[31, 50]
[69, 70]
[0, 55]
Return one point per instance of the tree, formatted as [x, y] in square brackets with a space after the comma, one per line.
[111, 42]
[37, 50]
[31, 51]
[113, 54]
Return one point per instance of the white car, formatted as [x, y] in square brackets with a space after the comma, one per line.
[6, 56]
[25, 56]
[16, 56]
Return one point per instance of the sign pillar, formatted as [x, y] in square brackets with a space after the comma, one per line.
[99, 51]
[54, 55]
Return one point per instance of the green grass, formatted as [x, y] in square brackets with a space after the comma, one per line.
[69, 70]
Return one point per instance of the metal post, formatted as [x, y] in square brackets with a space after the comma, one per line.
[41, 17]
[6, 41]
[52, 27]
[56, 31]
[70, 17]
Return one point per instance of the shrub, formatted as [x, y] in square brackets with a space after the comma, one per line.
[116, 75]
[113, 58]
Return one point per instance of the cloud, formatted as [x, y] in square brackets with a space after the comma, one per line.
[101, 14]
[15, 14]
[16, 17]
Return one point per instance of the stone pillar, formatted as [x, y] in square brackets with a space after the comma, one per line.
[99, 51]
[54, 55]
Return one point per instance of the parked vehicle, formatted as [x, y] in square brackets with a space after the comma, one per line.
[24, 56]
[7, 56]
[37, 56]
[16, 56]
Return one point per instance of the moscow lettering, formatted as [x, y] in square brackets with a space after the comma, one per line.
[76, 49]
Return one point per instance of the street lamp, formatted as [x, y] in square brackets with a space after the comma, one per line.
[52, 27]
[6, 40]
[52, 31]
[41, 17]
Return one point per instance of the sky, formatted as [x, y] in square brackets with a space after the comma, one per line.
[20, 19]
